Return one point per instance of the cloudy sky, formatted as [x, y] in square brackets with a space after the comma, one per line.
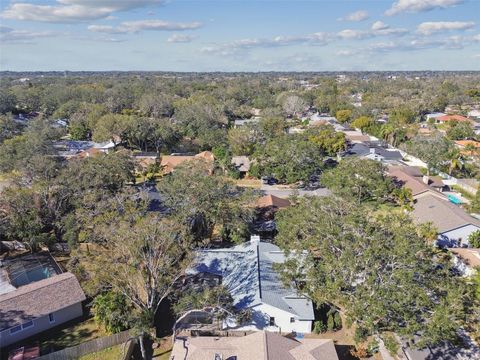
[240, 35]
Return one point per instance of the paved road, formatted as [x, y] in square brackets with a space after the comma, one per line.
[285, 193]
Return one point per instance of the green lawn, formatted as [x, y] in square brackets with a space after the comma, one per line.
[112, 353]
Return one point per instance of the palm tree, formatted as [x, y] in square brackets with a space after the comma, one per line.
[456, 161]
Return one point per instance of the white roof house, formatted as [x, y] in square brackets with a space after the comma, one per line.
[247, 272]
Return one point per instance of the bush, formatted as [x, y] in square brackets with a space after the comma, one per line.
[391, 344]
[330, 322]
[319, 327]
[111, 310]
[337, 319]
[474, 239]
[360, 335]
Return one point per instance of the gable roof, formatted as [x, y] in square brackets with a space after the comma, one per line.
[39, 299]
[261, 345]
[410, 177]
[170, 162]
[361, 149]
[464, 143]
[242, 163]
[247, 272]
[272, 201]
[444, 215]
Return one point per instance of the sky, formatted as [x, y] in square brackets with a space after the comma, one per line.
[239, 35]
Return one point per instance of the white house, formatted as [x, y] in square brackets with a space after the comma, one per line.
[466, 260]
[247, 272]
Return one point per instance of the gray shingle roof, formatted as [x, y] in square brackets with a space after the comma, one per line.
[39, 299]
[248, 273]
[444, 215]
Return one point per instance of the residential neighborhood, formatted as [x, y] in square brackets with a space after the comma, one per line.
[217, 180]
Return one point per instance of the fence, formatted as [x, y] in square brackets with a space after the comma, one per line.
[88, 347]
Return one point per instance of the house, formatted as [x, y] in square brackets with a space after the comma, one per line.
[466, 260]
[145, 159]
[463, 144]
[355, 136]
[247, 272]
[412, 178]
[374, 152]
[241, 122]
[261, 345]
[447, 118]
[453, 223]
[241, 164]
[272, 202]
[434, 116]
[170, 162]
[39, 306]
[474, 114]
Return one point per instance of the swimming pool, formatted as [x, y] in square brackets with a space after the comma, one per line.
[453, 199]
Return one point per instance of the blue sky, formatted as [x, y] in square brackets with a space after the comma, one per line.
[229, 35]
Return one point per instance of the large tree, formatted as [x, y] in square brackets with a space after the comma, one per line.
[359, 180]
[375, 269]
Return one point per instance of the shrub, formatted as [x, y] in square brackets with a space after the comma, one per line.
[337, 319]
[330, 322]
[360, 335]
[391, 344]
[319, 327]
[474, 239]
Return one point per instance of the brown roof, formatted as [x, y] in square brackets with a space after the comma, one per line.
[408, 177]
[452, 118]
[464, 143]
[261, 345]
[39, 299]
[471, 257]
[170, 162]
[272, 201]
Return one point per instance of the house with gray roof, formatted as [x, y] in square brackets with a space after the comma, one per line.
[453, 223]
[247, 271]
[374, 152]
[29, 309]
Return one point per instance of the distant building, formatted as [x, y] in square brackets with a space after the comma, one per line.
[241, 164]
[170, 162]
[448, 118]
[374, 152]
[467, 261]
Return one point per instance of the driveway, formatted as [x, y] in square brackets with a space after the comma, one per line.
[283, 192]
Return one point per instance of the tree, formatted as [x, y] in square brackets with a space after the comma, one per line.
[242, 140]
[474, 239]
[433, 150]
[293, 105]
[111, 127]
[458, 130]
[403, 197]
[8, 128]
[456, 160]
[111, 310]
[362, 123]
[327, 139]
[428, 232]
[344, 116]
[288, 158]
[359, 180]
[374, 268]
[205, 202]
[143, 260]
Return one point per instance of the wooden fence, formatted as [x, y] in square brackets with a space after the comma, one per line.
[88, 347]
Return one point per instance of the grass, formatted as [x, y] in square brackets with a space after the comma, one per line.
[464, 193]
[74, 333]
[253, 183]
[111, 353]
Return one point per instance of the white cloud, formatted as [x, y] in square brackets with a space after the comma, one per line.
[401, 6]
[71, 11]
[476, 37]
[9, 35]
[428, 28]
[319, 38]
[378, 28]
[140, 25]
[359, 15]
[180, 38]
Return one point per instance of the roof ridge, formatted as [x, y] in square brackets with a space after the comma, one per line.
[265, 344]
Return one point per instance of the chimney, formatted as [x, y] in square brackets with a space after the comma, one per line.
[372, 150]
[254, 239]
[426, 179]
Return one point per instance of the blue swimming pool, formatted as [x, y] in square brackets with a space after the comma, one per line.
[453, 199]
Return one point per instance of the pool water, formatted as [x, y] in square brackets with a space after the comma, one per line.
[32, 275]
[453, 199]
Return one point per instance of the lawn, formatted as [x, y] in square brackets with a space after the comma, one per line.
[116, 352]
[70, 334]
